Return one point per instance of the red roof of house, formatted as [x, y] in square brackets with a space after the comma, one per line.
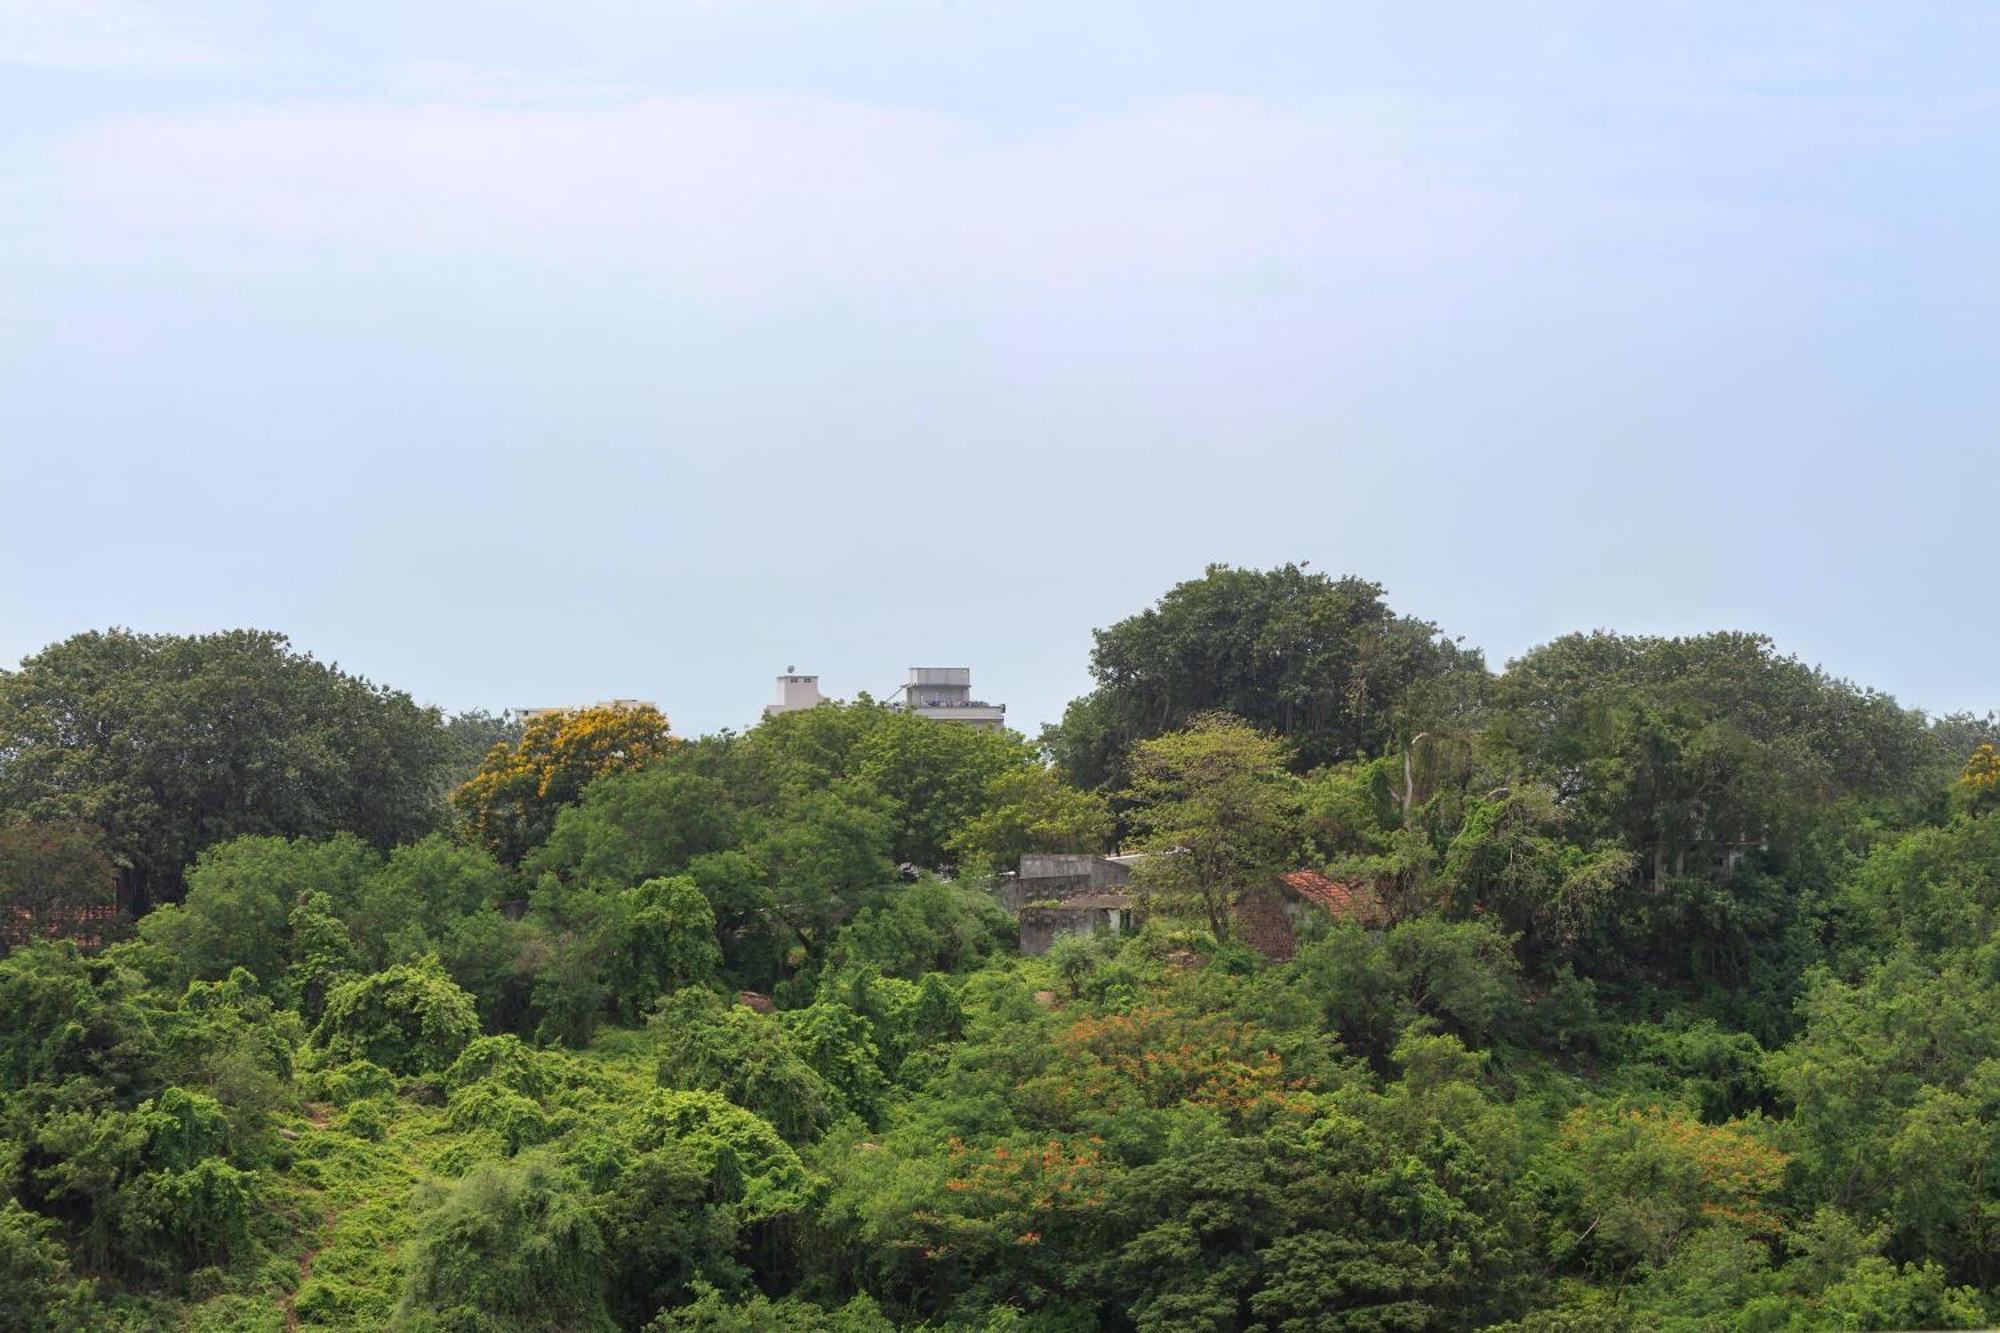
[1345, 902]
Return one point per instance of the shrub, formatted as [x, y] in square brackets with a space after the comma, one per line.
[505, 1060]
[410, 1019]
[355, 1081]
[518, 1121]
[511, 1247]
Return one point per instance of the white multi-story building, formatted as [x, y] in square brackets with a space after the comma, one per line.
[941, 693]
[945, 694]
[795, 692]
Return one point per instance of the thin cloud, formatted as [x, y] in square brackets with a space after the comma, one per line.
[102, 36]
[743, 194]
[457, 81]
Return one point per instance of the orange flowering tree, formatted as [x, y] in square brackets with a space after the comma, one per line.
[1010, 1218]
[510, 804]
[1638, 1180]
[1160, 1058]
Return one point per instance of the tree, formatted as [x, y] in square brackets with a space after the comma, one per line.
[639, 825]
[410, 1019]
[472, 735]
[669, 941]
[54, 875]
[748, 1057]
[510, 804]
[1032, 810]
[1636, 1181]
[1697, 751]
[1322, 662]
[1980, 779]
[512, 1248]
[240, 899]
[410, 904]
[935, 777]
[1218, 812]
[38, 1294]
[824, 852]
[173, 743]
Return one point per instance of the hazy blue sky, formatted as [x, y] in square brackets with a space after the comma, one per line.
[525, 353]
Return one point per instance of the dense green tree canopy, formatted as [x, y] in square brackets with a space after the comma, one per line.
[170, 744]
[1322, 662]
[1680, 1017]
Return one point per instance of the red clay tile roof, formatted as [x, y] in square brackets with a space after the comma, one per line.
[1345, 902]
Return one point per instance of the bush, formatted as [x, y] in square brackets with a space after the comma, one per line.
[179, 1220]
[505, 1060]
[748, 1057]
[365, 1120]
[510, 1248]
[355, 1081]
[517, 1121]
[410, 1019]
[36, 1289]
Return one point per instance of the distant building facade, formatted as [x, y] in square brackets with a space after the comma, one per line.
[796, 693]
[944, 694]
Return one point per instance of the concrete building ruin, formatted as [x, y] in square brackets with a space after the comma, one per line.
[1054, 895]
[1060, 893]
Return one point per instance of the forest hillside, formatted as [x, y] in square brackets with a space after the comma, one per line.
[1660, 991]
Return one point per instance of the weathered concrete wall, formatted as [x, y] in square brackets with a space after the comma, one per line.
[1098, 871]
[1043, 926]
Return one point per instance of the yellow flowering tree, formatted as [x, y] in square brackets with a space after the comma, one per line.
[1981, 778]
[510, 804]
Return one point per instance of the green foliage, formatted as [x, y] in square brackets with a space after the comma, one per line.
[751, 1058]
[1030, 809]
[170, 744]
[511, 804]
[754, 1167]
[409, 1019]
[506, 1061]
[935, 778]
[1682, 1018]
[1322, 662]
[38, 1293]
[404, 908]
[1219, 814]
[670, 941]
[637, 826]
[510, 1248]
[760, 1314]
[929, 926]
[240, 899]
[825, 851]
[72, 1020]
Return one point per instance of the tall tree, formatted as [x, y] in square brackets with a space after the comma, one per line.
[170, 743]
[1218, 811]
[1322, 662]
[511, 803]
